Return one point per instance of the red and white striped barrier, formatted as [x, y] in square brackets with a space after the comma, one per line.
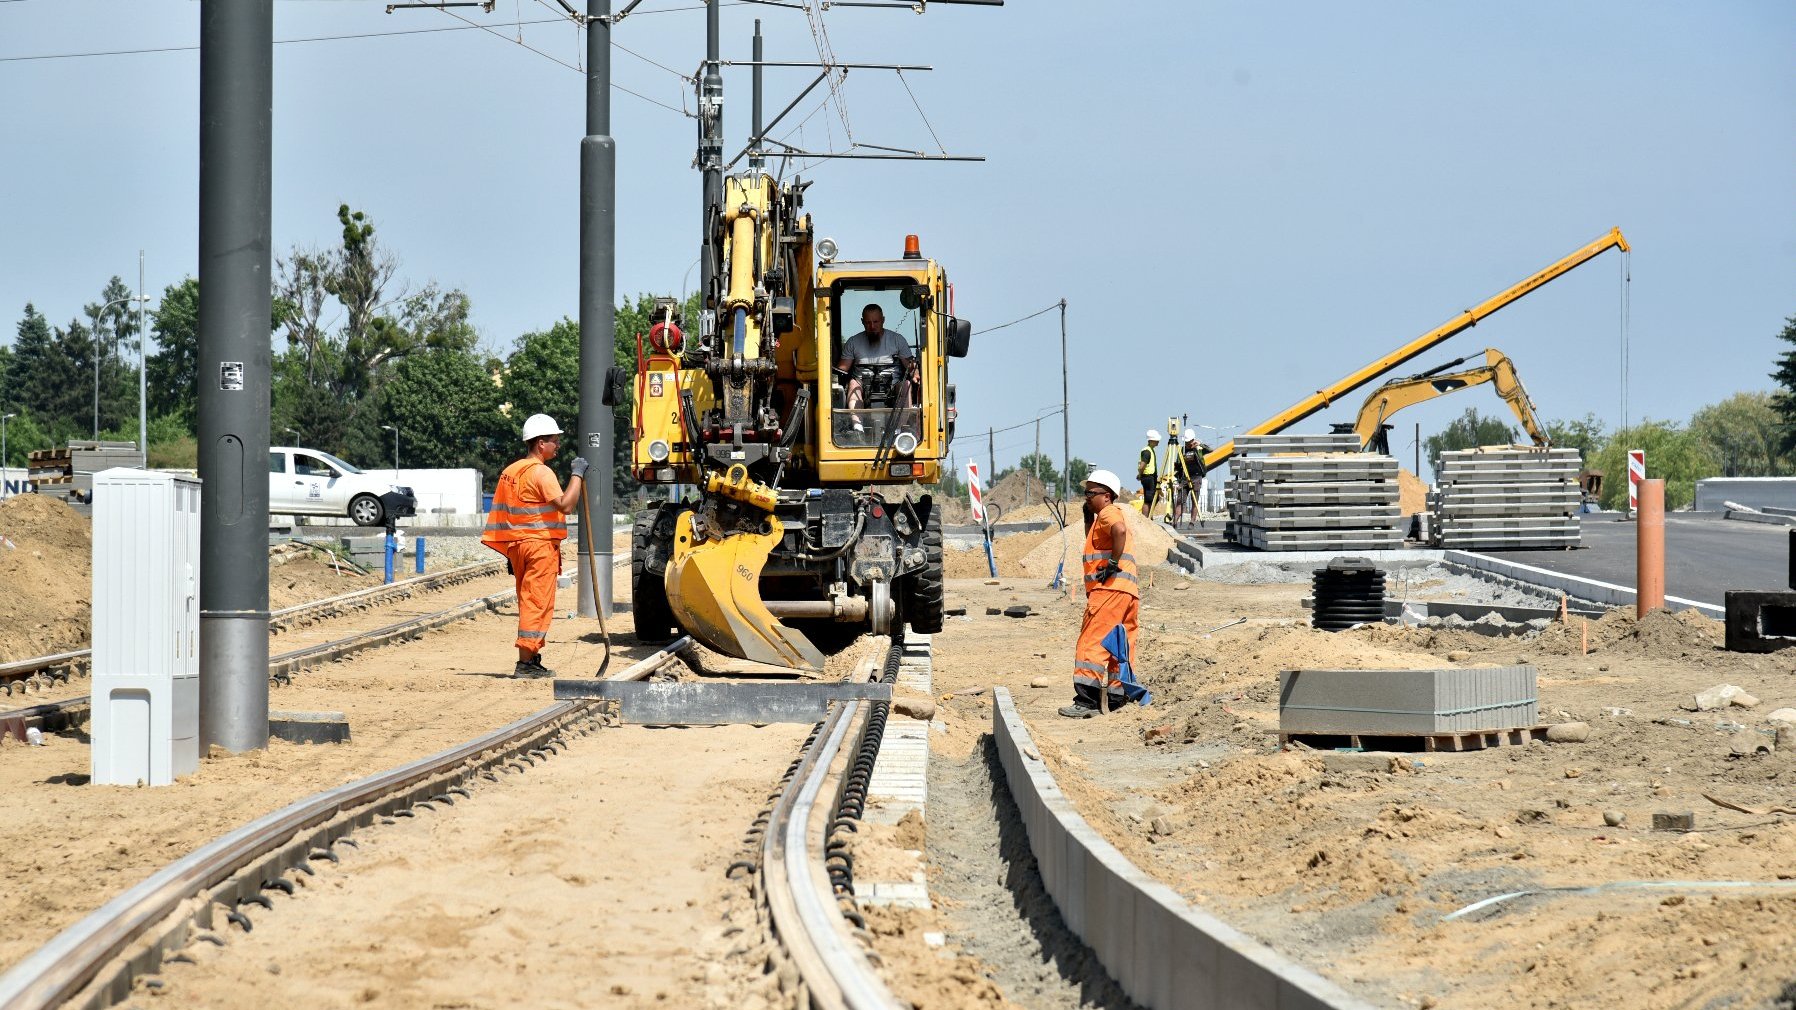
[973, 493]
[1636, 474]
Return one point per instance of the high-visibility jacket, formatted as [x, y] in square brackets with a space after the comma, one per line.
[1149, 465]
[1099, 548]
[520, 512]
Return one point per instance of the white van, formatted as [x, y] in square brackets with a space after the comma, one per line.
[308, 482]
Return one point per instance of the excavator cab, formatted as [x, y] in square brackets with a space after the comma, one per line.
[814, 396]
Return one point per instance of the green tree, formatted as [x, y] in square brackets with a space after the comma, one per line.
[1784, 401]
[1672, 453]
[1076, 471]
[172, 369]
[1040, 467]
[473, 434]
[1586, 435]
[23, 436]
[1741, 434]
[1468, 431]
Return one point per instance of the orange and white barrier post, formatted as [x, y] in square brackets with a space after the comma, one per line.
[1636, 474]
[978, 503]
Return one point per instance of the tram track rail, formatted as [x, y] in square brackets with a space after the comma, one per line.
[805, 873]
[24, 674]
[93, 963]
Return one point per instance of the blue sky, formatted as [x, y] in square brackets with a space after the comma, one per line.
[1240, 202]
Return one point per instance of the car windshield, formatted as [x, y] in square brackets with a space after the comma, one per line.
[339, 464]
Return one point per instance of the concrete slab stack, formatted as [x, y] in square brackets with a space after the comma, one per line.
[1318, 493]
[71, 469]
[1508, 497]
[1407, 702]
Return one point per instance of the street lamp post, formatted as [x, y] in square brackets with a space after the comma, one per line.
[97, 315]
[294, 432]
[395, 430]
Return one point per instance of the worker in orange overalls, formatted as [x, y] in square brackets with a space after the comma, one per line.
[526, 526]
[1112, 600]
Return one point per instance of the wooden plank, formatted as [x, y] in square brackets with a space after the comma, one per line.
[1427, 743]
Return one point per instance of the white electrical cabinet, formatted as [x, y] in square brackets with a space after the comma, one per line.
[146, 674]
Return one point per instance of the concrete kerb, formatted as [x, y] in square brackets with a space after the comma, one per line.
[1164, 953]
[1577, 587]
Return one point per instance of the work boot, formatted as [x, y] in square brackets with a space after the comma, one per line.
[530, 669]
[1078, 711]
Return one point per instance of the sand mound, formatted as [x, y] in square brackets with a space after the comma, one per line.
[1662, 633]
[1413, 493]
[46, 579]
[299, 574]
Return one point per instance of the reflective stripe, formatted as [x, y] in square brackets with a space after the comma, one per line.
[490, 527]
[1105, 555]
[532, 510]
[1092, 580]
[533, 634]
[1080, 664]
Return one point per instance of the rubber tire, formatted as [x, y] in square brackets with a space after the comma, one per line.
[924, 594]
[380, 511]
[648, 608]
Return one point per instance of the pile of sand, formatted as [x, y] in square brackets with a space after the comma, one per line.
[1413, 493]
[1009, 551]
[299, 574]
[1148, 541]
[46, 577]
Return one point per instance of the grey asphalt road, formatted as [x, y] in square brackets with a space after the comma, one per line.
[1705, 555]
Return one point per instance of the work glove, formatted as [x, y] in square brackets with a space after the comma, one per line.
[1108, 570]
[580, 465]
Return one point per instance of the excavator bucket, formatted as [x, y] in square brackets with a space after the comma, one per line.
[714, 589]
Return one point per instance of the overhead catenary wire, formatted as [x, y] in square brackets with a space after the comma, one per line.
[1024, 319]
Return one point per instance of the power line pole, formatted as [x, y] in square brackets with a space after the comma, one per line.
[598, 311]
[1066, 424]
[710, 158]
[1036, 459]
[991, 459]
[235, 367]
[143, 363]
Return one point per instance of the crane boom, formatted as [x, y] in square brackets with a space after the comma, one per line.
[1458, 324]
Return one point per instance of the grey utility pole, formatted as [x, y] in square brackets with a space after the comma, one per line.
[143, 363]
[1066, 424]
[236, 136]
[756, 162]
[710, 147]
[598, 311]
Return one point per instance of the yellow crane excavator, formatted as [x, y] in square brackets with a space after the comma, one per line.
[1396, 394]
[1321, 398]
[810, 402]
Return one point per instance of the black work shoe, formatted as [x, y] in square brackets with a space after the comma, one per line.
[531, 670]
[1078, 711]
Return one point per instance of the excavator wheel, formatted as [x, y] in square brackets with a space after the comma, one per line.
[654, 619]
[923, 591]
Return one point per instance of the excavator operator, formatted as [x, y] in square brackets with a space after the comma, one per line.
[878, 366]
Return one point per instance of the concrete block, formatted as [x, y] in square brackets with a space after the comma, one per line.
[1760, 621]
[1242, 983]
[309, 727]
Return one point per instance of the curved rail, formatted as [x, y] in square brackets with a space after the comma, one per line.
[835, 968]
[94, 961]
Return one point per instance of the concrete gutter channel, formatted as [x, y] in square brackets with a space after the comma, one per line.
[1164, 953]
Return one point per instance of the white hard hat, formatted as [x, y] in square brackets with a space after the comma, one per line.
[1105, 478]
[1152, 435]
[539, 425]
[1190, 435]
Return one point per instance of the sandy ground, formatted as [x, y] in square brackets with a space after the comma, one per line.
[402, 703]
[591, 880]
[1348, 861]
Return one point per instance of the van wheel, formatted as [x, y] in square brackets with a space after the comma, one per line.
[366, 510]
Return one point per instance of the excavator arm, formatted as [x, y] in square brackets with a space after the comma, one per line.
[1458, 324]
[1397, 394]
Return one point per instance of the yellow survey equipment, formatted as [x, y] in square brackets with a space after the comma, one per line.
[1396, 394]
[1458, 324]
[812, 398]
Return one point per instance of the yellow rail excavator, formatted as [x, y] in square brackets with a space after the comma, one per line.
[1321, 398]
[1371, 425]
[811, 400]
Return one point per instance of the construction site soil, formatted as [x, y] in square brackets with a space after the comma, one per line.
[46, 557]
[1346, 861]
[1349, 861]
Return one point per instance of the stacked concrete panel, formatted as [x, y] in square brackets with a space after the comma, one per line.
[71, 469]
[1314, 497]
[1504, 498]
[1407, 702]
